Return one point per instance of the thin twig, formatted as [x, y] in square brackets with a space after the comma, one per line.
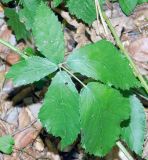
[125, 52]
[124, 150]
[15, 49]
[73, 75]
[24, 151]
[28, 126]
[5, 121]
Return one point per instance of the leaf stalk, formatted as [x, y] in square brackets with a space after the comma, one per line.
[61, 66]
[15, 49]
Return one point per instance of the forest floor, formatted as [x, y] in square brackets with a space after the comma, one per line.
[19, 106]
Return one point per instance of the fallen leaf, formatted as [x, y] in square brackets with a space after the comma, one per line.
[12, 58]
[138, 50]
[24, 118]
[25, 137]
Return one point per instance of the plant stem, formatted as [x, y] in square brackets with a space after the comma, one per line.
[124, 150]
[99, 12]
[122, 48]
[15, 49]
[73, 76]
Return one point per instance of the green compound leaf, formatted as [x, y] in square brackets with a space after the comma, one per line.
[28, 13]
[48, 34]
[30, 70]
[6, 144]
[134, 133]
[102, 61]
[60, 111]
[83, 9]
[14, 22]
[57, 2]
[102, 109]
[128, 6]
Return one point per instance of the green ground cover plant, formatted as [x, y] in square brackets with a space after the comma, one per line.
[105, 109]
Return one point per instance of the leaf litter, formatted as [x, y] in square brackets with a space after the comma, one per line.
[20, 119]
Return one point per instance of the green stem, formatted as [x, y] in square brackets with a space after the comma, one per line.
[73, 75]
[122, 48]
[15, 49]
[99, 12]
[124, 150]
